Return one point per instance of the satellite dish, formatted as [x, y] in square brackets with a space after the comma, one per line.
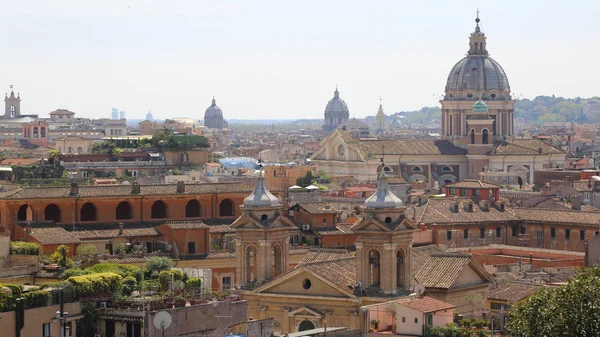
[162, 319]
[419, 289]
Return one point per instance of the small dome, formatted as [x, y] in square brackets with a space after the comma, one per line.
[213, 110]
[480, 106]
[336, 104]
[261, 197]
[383, 197]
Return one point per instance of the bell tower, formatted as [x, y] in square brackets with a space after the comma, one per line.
[262, 237]
[383, 242]
[12, 105]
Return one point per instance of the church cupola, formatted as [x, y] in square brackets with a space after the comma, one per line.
[477, 44]
[480, 107]
[383, 197]
[261, 197]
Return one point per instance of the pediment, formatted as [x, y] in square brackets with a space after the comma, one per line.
[307, 312]
[371, 225]
[245, 222]
[292, 283]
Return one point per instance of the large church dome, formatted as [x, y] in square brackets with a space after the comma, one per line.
[213, 110]
[336, 104]
[477, 75]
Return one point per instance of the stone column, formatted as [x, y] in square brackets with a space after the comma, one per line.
[389, 268]
[264, 261]
[239, 259]
[360, 264]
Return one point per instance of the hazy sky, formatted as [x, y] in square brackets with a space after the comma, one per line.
[282, 59]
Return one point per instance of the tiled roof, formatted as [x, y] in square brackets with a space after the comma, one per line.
[420, 255]
[297, 250]
[425, 304]
[409, 147]
[525, 147]
[519, 248]
[19, 161]
[49, 274]
[193, 224]
[442, 269]
[317, 208]
[323, 254]
[50, 234]
[560, 216]
[221, 229]
[513, 291]
[437, 210]
[472, 183]
[221, 255]
[125, 190]
[127, 259]
[341, 272]
[109, 231]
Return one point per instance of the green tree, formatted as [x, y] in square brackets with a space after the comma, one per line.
[571, 310]
[85, 253]
[158, 263]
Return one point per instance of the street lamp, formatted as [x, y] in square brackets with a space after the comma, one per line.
[62, 323]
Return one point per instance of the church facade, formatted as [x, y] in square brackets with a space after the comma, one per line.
[477, 134]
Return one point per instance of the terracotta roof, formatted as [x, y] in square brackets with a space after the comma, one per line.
[560, 216]
[420, 255]
[425, 304]
[20, 161]
[525, 147]
[325, 231]
[109, 231]
[48, 234]
[442, 269]
[472, 183]
[519, 248]
[323, 254]
[125, 190]
[297, 250]
[341, 272]
[582, 186]
[221, 255]
[420, 147]
[513, 291]
[194, 224]
[437, 210]
[221, 229]
[317, 208]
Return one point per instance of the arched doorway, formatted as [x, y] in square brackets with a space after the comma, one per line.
[226, 208]
[158, 210]
[484, 136]
[52, 213]
[251, 260]
[88, 212]
[192, 209]
[124, 211]
[306, 325]
[374, 268]
[400, 268]
[25, 213]
[277, 260]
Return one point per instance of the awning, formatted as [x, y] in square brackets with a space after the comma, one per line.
[312, 187]
[295, 187]
[154, 154]
[6, 168]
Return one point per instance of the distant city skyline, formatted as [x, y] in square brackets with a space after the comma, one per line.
[279, 60]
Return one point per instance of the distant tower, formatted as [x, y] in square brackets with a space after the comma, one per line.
[213, 116]
[12, 105]
[122, 114]
[380, 119]
[149, 116]
[336, 112]
[114, 114]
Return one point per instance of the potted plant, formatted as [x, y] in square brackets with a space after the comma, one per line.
[375, 324]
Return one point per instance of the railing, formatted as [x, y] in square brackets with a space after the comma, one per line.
[113, 164]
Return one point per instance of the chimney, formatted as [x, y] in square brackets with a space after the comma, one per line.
[135, 188]
[180, 187]
[121, 225]
[576, 202]
[74, 190]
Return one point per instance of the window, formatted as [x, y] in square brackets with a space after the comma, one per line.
[324, 220]
[449, 234]
[466, 233]
[403, 319]
[582, 234]
[464, 192]
[476, 192]
[191, 247]
[294, 239]
[553, 233]
[514, 231]
[482, 233]
[452, 190]
[523, 230]
[596, 233]
[540, 238]
[416, 320]
[226, 281]
[498, 232]
[498, 306]
[46, 330]
[417, 169]
[567, 234]
[216, 243]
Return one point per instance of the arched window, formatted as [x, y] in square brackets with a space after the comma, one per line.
[450, 126]
[184, 157]
[447, 169]
[70, 150]
[88, 212]
[472, 136]
[79, 149]
[158, 210]
[306, 325]
[251, 264]
[123, 211]
[25, 213]
[192, 209]
[277, 260]
[43, 132]
[417, 169]
[35, 132]
[484, 136]
[400, 269]
[226, 208]
[374, 269]
[52, 213]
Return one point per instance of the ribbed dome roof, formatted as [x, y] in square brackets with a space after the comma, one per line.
[477, 72]
[261, 197]
[213, 110]
[336, 104]
[480, 106]
[383, 197]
